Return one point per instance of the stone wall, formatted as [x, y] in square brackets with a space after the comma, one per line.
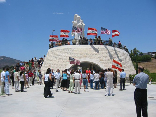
[58, 57]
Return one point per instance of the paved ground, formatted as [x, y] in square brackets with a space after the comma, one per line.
[87, 104]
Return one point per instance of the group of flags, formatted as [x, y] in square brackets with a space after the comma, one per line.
[91, 31]
[115, 64]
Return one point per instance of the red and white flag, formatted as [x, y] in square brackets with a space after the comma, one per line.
[117, 65]
[64, 33]
[92, 31]
[115, 33]
[53, 37]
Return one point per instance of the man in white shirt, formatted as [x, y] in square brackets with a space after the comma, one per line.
[109, 76]
[77, 78]
[96, 80]
[57, 76]
[2, 81]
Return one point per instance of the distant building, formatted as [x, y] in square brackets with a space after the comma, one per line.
[152, 54]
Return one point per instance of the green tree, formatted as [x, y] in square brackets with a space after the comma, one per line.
[134, 57]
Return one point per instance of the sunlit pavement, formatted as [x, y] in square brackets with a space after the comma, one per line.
[92, 103]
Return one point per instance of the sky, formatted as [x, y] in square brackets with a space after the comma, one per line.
[25, 25]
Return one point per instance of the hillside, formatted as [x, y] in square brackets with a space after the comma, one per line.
[7, 61]
[151, 66]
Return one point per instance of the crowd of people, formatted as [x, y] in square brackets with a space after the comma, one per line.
[71, 79]
[23, 74]
[66, 80]
[85, 41]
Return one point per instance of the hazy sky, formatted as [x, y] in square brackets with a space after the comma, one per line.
[25, 25]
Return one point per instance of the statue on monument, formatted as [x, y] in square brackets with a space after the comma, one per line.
[78, 28]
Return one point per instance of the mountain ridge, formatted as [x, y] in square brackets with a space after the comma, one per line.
[8, 61]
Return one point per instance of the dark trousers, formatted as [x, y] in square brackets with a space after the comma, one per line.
[33, 81]
[122, 83]
[140, 97]
[102, 83]
[47, 89]
[22, 85]
[12, 81]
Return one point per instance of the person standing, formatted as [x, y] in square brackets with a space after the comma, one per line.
[30, 75]
[71, 86]
[34, 76]
[52, 76]
[109, 89]
[26, 80]
[22, 79]
[91, 79]
[46, 78]
[96, 80]
[16, 80]
[102, 79]
[7, 81]
[57, 79]
[88, 73]
[122, 80]
[40, 78]
[84, 77]
[64, 80]
[2, 81]
[77, 78]
[105, 78]
[12, 78]
[115, 78]
[140, 94]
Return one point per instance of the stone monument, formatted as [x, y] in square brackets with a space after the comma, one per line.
[78, 25]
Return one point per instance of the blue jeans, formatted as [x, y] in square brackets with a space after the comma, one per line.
[91, 83]
[84, 82]
[96, 85]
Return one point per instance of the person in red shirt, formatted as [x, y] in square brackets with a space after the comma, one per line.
[88, 74]
[22, 68]
[30, 75]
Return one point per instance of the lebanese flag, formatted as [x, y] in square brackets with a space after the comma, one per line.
[117, 65]
[115, 33]
[92, 31]
[64, 33]
[53, 37]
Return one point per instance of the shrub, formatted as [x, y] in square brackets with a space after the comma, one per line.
[153, 76]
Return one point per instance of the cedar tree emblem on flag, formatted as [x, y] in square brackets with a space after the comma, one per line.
[64, 33]
[115, 33]
[117, 65]
[105, 31]
[92, 31]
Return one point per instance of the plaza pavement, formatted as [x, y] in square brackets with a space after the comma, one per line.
[87, 104]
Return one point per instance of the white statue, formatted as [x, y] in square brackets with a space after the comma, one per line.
[78, 27]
